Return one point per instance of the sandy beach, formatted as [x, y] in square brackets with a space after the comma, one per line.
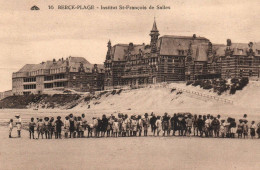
[127, 153]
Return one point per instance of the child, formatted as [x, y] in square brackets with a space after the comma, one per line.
[31, 128]
[232, 128]
[11, 126]
[222, 128]
[252, 129]
[134, 125]
[47, 127]
[84, 123]
[258, 130]
[140, 125]
[127, 122]
[52, 127]
[189, 125]
[115, 128]
[165, 123]
[158, 124]
[245, 129]
[95, 128]
[80, 126]
[66, 126]
[146, 123]
[90, 129]
[123, 127]
[19, 125]
[40, 127]
[58, 124]
[215, 126]
[109, 126]
[72, 125]
[240, 128]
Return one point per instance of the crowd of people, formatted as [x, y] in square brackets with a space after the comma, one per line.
[122, 125]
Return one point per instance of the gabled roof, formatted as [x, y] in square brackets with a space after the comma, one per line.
[170, 45]
[219, 49]
[119, 51]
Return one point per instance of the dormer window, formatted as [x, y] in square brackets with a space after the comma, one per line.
[258, 52]
[240, 51]
[181, 52]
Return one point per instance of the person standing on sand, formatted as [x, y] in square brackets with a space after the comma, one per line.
[140, 124]
[165, 123]
[134, 125]
[66, 126]
[188, 125]
[215, 126]
[222, 128]
[253, 129]
[158, 124]
[47, 128]
[146, 123]
[258, 130]
[104, 125]
[72, 125]
[18, 125]
[195, 125]
[11, 126]
[200, 125]
[84, 123]
[115, 128]
[245, 129]
[40, 127]
[152, 123]
[58, 124]
[52, 127]
[31, 128]
[128, 126]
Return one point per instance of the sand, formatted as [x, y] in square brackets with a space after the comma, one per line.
[128, 153]
[138, 152]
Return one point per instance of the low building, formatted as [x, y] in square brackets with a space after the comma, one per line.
[74, 73]
[5, 94]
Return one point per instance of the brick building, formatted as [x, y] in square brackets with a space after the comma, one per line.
[165, 59]
[74, 73]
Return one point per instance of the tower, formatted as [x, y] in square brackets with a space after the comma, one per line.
[108, 57]
[154, 37]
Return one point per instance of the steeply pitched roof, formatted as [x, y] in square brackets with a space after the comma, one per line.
[219, 49]
[170, 45]
[154, 29]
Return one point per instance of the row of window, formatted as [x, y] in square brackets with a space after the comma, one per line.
[30, 86]
[30, 79]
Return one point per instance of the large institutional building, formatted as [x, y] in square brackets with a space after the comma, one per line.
[166, 58]
[178, 58]
[74, 73]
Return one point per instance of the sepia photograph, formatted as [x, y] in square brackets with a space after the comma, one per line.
[127, 84]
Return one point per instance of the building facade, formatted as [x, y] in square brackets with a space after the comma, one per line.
[73, 73]
[172, 58]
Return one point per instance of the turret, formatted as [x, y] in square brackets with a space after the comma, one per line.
[108, 56]
[154, 38]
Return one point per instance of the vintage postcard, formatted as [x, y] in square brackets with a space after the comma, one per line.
[129, 84]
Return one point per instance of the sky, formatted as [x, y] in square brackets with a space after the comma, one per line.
[30, 37]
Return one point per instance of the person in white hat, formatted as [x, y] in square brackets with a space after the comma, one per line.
[19, 125]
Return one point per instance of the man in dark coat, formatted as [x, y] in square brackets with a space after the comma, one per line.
[152, 123]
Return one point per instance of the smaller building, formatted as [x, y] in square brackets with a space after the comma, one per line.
[74, 73]
[5, 94]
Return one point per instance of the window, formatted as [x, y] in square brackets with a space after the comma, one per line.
[240, 51]
[30, 79]
[48, 85]
[181, 52]
[31, 86]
